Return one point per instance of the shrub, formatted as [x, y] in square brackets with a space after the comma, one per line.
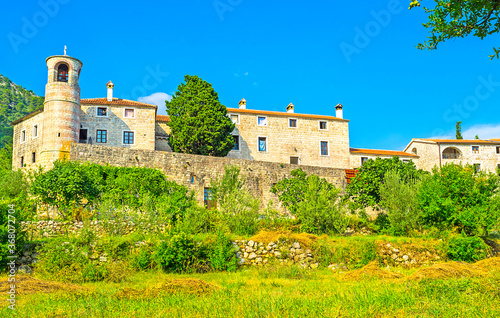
[400, 201]
[467, 249]
[315, 202]
[364, 188]
[222, 253]
[239, 209]
[456, 197]
[180, 253]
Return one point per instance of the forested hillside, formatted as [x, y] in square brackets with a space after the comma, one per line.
[15, 102]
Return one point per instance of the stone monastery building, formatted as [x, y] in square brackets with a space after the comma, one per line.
[285, 137]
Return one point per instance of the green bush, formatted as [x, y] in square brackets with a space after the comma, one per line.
[456, 197]
[315, 202]
[364, 188]
[222, 255]
[467, 249]
[143, 258]
[239, 210]
[400, 201]
[180, 253]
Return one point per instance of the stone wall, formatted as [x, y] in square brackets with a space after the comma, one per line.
[32, 143]
[429, 154]
[302, 140]
[282, 252]
[115, 123]
[196, 171]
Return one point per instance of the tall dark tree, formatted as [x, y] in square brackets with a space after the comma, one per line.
[458, 128]
[198, 121]
[453, 19]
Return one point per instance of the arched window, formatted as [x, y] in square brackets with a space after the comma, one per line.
[452, 153]
[414, 151]
[62, 73]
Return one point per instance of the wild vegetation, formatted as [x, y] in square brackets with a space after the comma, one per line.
[15, 102]
[182, 252]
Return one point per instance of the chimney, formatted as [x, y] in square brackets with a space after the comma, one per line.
[289, 108]
[110, 86]
[243, 104]
[339, 113]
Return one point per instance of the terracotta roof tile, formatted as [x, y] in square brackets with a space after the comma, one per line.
[273, 113]
[349, 174]
[116, 101]
[464, 141]
[381, 152]
[162, 118]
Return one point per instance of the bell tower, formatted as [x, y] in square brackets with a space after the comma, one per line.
[61, 108]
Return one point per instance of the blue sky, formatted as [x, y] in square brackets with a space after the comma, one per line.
[272, 53]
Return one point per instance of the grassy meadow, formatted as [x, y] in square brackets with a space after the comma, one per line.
[282, 291]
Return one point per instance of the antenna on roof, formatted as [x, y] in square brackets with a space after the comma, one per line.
[65, 48]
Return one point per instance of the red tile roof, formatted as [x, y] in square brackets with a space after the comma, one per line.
[381, 152]
[272, 113]
[115, 101]
[162, 118]
[464, 141]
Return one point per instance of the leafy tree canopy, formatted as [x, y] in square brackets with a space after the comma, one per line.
[457, 197]
[198, 121]
[365, 186]
[452, 19]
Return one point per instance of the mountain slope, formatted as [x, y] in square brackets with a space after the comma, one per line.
[15, 102]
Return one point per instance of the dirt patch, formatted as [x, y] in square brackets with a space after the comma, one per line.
[304, 239]
[30, 285]
[448, 270]
[372, 270]
[191, 286]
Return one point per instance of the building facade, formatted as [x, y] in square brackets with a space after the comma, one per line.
[484, 155]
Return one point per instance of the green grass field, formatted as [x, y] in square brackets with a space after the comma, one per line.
[269, 292]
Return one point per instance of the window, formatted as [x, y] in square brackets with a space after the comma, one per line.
[129, 113]
[363, 160]
[324, 148]
[208, 198]
[193, 178]
[498, 169]
[322, 125]
[33, 157]
[236, 142]
[101, 136]
[235, 118]
[477, 167]
[62, 73]
[128, 137]
[292, 123]
[83, 136]
[23, 135]
[475, 149]
[22, 161]
[35, 131]
[263, 144]
[414, 151]
[498, 150]
[406, 160]
[102, 111]
[294, 160]
[262, 121]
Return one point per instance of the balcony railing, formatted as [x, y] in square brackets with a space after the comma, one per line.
[451, 156]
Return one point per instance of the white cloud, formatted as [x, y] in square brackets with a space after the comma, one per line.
[157, 99]
[483, 131]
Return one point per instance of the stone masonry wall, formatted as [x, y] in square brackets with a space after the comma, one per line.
[115, 123]
[196, 171]
[31, 144]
